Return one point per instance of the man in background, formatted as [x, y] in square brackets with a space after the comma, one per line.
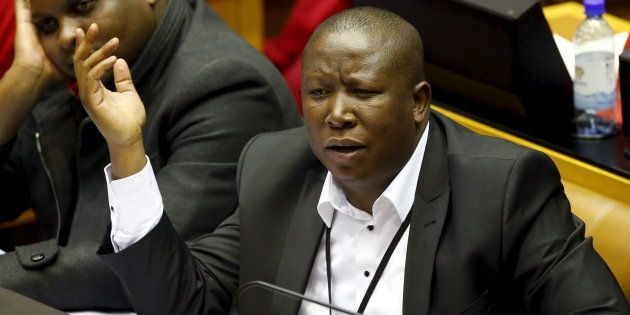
[206, 94]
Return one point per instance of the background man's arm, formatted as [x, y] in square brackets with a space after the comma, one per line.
[29, 75]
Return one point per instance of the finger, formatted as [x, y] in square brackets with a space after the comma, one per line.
[102, 53]
[91, 33]
[89, 89]
[79, 71]
[22, 11]
[81, 50]
[24, 20]
[85, 43]
[99, 70]
[122, 77]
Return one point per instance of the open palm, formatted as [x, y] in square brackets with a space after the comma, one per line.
[119, 115]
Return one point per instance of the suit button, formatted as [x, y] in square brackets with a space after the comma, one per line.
[370, 227]
[366, 273]
[37, 257]
[111, 208]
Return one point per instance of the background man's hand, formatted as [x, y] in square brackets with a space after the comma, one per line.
[119, 115]
[29, 54]
[30, 74]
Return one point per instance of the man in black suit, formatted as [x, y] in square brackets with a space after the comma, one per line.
[376, 195]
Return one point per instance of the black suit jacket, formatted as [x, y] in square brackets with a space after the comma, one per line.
[491, 233]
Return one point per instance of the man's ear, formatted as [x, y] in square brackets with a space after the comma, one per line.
[422, 102]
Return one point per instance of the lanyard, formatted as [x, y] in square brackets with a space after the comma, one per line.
[379, 269]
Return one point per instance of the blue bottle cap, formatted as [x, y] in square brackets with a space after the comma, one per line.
[594, 7]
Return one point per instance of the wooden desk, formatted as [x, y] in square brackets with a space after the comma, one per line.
[564, 19]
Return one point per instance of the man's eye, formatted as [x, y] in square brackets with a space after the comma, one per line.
[364, 93]
[47, 25]
[83, 6]
[317, 92]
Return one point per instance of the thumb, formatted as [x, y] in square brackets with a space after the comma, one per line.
[122, 77]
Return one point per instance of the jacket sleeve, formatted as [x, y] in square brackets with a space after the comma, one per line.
[199, 279]
[200, 133]
[552, 267]
[195, 278]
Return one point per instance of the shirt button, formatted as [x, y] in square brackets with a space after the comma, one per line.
[370, 227]
[37, 257]
[366, 273]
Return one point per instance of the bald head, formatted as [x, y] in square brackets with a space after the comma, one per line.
[397, 39]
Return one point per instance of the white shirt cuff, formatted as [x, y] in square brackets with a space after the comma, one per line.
[135, 206]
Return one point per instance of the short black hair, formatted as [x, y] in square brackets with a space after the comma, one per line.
[400, 40]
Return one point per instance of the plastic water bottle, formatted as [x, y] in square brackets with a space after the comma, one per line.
[594, 86]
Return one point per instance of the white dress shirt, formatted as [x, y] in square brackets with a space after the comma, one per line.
[358, 239]
[135, 206]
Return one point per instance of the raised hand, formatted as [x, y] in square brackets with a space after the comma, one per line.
[29, 54]
[119, 115]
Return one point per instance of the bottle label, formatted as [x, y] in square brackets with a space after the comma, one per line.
[594, 84]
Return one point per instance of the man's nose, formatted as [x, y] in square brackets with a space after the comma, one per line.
[67, 33]
[341, 115]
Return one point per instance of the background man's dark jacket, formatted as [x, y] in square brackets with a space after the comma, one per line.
[491, 233]
[206, 93]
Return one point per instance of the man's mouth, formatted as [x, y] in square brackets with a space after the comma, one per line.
[345, 149]
[344, 146]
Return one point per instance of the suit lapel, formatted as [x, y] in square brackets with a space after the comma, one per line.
[301, 245]
[427, 219]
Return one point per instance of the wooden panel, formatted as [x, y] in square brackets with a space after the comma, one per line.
[26, 217]
[244, 16]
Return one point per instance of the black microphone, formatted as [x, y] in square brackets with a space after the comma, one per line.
[286, 292]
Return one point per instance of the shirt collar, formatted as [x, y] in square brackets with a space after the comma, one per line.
[400, 193]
